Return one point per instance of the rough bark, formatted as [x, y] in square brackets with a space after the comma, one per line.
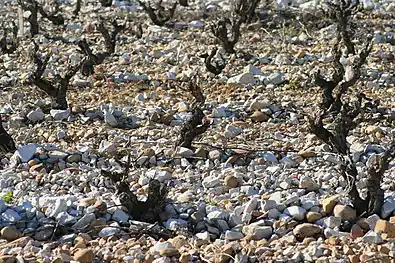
[228, 32]
[56, 89]
[213, 67]
[146, 211]
[158, 15]
[197, 124]
[5, 46]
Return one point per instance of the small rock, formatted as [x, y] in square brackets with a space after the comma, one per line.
[383, 226]
[26, 152]
[346, 213]
[10, 216]
[110, 119]
[296, 212]
[388, 207]
[10, 233]
[84, 255]
[243, 78]
[120, 216]
[60, 114]
[308, 183]
[36, 115]
[306, 230]
[257, 232]
[313, 216]
[233, 235]
[328, 204]
[259, 116]
[231, 181]
[372, 238]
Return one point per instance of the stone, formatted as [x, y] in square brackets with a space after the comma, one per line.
[243, 78]
[232, 131]
[10, 233]
[372, 238]
[184, 152]
[332, 221]
[107, 147]
[259, 116]
[346, 213]
[383, 226]
[306, 230]
[328, 204]
[120, 216]
[84, 255]
[356, 231]
[372, 220]
[313, 216]
[36, 115]
[54, 209]
[276, 78]
[26, 152]
[84, 221]
[233, 235]
[10, 216]
[255, 231]
[296, 212]
[308, 183]
[258, 104]
[388, 207]
[109, 231]
[231, 181]
[60, 114]
[169, 252]
[110, 119]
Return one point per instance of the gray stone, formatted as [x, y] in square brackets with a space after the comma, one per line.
[120, 216]
[65, 218]
[218, 215]
[257, 231]
[243, 78]
[296, 212]
[10, 216]
[26, 152]
[233, 235]
[372, 237]
[388, 207]
[36, 115]
[175, 224]
[110, 119]
[84, 221]
[60, 114]
[54, 209]
[109, 231]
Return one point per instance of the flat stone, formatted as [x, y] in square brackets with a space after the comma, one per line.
[346, 213]
[60, 114]
[255, 231]
[372, 238]
[36, 115]
[120, 216]
[306, 230]
[84, 255]
[10, 216]
[26, 152]
[243, 78]
[313, 216]
[296, 212]
[308, 183]
[388, 207]
[233, 235]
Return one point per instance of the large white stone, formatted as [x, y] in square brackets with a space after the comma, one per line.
[243, 78]
[60, 114]
[296, 212]
[26, 152]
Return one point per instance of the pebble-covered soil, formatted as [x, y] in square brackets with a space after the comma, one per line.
[256, 187]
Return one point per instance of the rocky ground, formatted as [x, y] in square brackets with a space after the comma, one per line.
[256, 187]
